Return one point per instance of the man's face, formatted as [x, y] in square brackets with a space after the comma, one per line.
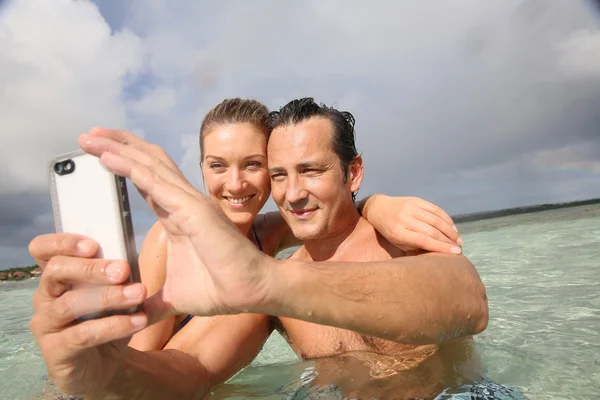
[307, 181]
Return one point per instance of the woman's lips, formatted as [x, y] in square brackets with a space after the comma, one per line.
[238, 201]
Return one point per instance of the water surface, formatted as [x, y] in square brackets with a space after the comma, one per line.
[542, 273]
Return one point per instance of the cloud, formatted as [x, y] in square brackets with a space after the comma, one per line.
[473, 105]
[62, 72]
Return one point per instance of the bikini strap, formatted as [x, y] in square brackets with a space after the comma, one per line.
[256, 238]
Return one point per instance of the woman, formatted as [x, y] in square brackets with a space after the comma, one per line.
[233, 159]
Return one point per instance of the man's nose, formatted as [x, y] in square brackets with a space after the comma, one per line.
[295, 191]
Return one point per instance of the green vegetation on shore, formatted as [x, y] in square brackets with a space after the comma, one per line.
[15, 274]
[521, 210]
[19, 273]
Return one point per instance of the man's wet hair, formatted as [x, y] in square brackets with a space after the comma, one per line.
[343, 141]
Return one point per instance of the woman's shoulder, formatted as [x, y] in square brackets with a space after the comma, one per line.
[153, 256]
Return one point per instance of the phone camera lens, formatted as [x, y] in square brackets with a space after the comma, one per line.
[64, 167]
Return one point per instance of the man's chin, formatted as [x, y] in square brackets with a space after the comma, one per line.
[302, 233]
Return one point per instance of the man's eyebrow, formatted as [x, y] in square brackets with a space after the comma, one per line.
[310, 164]
[276, 170]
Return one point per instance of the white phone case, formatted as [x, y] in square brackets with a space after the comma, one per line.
[92, 201]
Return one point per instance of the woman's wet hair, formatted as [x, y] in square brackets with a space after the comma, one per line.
[234, 111]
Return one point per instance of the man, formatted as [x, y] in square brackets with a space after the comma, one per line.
[330, 306]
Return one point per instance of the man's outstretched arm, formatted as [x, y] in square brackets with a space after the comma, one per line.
[428, 298]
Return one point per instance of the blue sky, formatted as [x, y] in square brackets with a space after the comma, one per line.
[472, 105]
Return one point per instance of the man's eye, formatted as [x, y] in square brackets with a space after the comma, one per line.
[276, 176]
[310, 171]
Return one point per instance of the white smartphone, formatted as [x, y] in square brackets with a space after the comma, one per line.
[89, 200]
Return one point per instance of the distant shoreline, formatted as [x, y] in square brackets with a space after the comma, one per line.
[35, 271]
[21, 273]
[521, 210]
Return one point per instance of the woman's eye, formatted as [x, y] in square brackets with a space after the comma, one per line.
[254, 164]
[216, 165]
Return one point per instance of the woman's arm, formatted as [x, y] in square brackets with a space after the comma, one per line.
[410, 223]
[153, 263]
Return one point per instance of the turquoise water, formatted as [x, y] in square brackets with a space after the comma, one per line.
[542, 273]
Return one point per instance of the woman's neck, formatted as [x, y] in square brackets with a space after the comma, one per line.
[246, 229]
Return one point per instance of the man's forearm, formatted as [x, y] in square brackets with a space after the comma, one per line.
[428, 298]
[159, 374]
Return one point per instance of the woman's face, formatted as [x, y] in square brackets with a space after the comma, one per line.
[234, 166]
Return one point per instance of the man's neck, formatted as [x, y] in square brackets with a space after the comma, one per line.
[326, 248]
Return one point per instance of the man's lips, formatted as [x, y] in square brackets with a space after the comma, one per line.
[305, 212]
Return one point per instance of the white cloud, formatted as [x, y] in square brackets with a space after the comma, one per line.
[62, 73]
[581, 54]
[453, 100]
[157, 101]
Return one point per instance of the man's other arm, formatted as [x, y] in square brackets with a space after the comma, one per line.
[429, 298]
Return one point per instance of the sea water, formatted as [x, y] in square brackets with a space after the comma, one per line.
[542, 274]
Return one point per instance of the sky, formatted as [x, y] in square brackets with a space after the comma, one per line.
[473, 105]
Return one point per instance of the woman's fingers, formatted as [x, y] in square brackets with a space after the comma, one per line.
[78, 303]
[43, 247]
[437, 224]
[93, 333]
[426, 242]
[62, 272]
[438, 211]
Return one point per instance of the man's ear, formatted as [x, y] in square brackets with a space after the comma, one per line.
[356, 173]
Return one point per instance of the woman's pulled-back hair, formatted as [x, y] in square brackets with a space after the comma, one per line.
[233, 111]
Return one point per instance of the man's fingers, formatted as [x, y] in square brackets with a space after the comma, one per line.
[132, 140]
[62, 272]
[94, 333]
[77, 303]
[161, 190]
[147, 154]
[42, 248]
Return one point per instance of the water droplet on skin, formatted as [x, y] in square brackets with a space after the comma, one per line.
[244, 310]
[468, 316]
[379, 316]
[309, 313]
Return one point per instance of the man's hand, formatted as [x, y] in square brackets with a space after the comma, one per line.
[412, 223]
[81, 357]
[211, 267]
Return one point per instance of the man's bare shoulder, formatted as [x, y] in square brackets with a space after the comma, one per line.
[367, 244]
